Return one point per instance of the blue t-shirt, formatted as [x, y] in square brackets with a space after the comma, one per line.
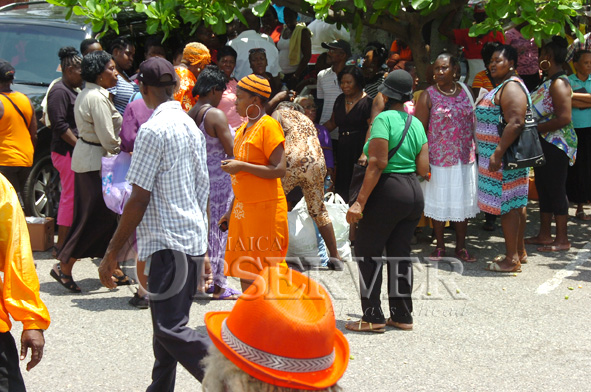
[389, 125]
[581, 117]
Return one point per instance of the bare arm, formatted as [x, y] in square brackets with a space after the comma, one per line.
[581, 100]
[275, 169]
[514, 104]
[422, 161]
[330, 124]
[33, 126]
[69, 137]
[560, 92]
[132, 216]
[306, 48]
[423, 109]
[217, 122]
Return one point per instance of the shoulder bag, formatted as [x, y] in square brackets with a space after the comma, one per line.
[526, 150]
[17, 109]
[359, 170]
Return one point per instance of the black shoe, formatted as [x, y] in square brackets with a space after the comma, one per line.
[139, 302]
[336, 265]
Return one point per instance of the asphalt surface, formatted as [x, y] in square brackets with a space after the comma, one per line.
[474, 330]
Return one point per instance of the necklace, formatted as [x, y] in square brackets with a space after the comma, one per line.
[450, 93]
[354, 99]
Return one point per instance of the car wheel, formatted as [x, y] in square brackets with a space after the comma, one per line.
[42, 189]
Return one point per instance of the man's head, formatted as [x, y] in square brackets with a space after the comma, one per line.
[157, 81]
[6, 72]
[253, 21]
[338, 51]
[153, 47]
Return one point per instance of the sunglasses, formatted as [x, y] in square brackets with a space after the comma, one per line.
[257, 50]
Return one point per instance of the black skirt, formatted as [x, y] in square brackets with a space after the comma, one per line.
[578, 184]
[93, 225]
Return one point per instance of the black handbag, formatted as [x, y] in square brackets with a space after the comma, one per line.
[359, 170]
[526, 150]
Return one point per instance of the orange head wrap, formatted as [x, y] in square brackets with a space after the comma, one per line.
[257, 85]
[196, 54]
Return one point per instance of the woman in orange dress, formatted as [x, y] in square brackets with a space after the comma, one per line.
[257, 221]
[195, 57]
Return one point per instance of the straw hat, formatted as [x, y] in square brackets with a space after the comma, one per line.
[282, 331]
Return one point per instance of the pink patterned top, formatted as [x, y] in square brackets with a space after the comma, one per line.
[450, 134]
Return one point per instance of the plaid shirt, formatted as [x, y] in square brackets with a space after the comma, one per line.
[169, 160]
[578, 45]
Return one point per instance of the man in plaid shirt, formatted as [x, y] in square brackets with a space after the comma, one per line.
[169, 203]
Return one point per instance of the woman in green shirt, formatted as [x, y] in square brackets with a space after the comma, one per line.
[388, 208]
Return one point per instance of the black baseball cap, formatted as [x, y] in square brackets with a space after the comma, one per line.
[6, 71]
[154, 69]
[338, 44]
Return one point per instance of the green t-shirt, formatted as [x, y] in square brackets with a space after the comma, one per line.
[389, 125]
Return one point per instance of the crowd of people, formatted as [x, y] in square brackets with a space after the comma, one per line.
[221, 140]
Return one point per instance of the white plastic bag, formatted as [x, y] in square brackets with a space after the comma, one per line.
[302, 234]
[337, 211]
[116, 190]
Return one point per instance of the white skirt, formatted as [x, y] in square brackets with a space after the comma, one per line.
[452, 193]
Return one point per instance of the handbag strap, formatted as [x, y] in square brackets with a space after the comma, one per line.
[406, 127]
[528, 111]
[468, 93]
[17, 109]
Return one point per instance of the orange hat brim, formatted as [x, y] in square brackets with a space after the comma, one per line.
[311, 380]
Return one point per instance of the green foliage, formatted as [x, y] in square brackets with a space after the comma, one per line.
[545, 17]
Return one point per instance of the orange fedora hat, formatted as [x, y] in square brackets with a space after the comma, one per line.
[282, 331]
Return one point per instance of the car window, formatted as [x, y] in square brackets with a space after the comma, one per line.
[32, 50]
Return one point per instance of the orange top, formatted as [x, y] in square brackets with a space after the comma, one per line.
[185, 93]
[481, 80]
[20, 285]
[16, 147]
[405, 53]
[255, 145]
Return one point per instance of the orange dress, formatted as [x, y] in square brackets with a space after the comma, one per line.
[185, 93]
[258, 232]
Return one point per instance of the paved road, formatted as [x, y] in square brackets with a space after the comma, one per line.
[476, 330]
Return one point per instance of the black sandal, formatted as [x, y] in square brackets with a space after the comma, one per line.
[123, 280]
[69, 284]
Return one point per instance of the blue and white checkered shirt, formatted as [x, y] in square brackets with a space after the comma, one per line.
[169, 160]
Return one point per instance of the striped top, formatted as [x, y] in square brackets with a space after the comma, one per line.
[122, 93]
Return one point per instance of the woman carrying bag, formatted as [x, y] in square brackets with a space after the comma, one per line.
[389, 206]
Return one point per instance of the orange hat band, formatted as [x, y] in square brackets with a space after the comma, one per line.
[256, 85]
[276, 362]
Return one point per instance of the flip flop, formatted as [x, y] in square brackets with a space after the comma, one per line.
[582, 216]
[535, 241]
[437, 254]
[466, 257]
[553, 248]
[396, 324]
[495, 267]
[123, 280]
[228, 294]
[364, 326]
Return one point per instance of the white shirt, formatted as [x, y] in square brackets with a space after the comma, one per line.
[247, 40]
[326, 32]
[328, 88]
[169, 160]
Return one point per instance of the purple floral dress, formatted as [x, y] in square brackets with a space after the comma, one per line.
[220, 199]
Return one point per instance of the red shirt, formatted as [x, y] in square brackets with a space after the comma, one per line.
[473, 45]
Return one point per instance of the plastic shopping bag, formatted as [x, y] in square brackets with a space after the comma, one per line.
[302, 234]
[116, 190]
[337, 211]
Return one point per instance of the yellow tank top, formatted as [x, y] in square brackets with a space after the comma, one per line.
[16, 147]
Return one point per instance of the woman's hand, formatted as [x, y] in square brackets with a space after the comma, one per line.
[494, 164]
[362, 160]
[355, 213]
[232, 166]
[225, 220]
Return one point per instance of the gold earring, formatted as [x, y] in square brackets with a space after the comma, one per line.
[510, 68]
[545, 68]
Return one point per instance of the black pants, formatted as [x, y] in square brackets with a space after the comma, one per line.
[17, 176]
[348, 153]
[11, 379]
[551, 180]
[172, 280]
[390, 217]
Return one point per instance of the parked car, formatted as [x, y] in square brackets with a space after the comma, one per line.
[31, 35]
